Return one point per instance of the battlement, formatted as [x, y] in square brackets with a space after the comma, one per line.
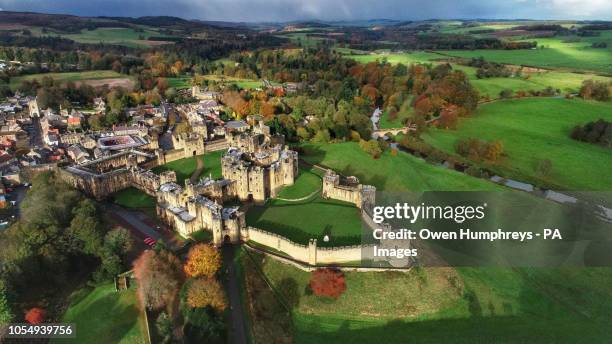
[347, 189]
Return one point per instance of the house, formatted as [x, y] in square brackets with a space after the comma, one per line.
[74, 119]
[77, 153]
[99, 105]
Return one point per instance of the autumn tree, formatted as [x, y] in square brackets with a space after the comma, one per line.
[371, 147]
[327, 282]
[159, 276]
[203, 260]
[36, 315]
[204, 292]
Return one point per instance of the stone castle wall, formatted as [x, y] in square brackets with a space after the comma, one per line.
[309, 254]
[358, 194]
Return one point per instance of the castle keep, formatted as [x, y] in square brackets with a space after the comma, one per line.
[259, 164]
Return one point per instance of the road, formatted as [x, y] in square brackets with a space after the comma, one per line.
[238, 325]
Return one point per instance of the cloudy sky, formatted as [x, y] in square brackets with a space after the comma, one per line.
[287, 10]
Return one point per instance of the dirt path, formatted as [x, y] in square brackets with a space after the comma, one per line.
[199, 168]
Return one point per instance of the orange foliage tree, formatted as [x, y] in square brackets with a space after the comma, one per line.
[205, 292]
[36, 315]
[328, 282]
[202, 260]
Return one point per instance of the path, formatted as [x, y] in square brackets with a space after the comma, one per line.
[199, 168]
[238, 324]
[137, 223]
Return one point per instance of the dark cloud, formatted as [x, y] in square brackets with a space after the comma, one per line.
[286, 10]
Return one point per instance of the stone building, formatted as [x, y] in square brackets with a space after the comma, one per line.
[259, 164]
[348, 189]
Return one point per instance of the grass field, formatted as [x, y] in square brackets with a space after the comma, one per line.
[340, 220]
[307, 182]
[391, 173]
[566, 82]
[242, 83]
[535, 129]
[70, 76]
[113, 35]
[180, 82]
[404, 58]
[553, 53]
[133, 198]
[184, 168]
[102, 315]
[446, 305]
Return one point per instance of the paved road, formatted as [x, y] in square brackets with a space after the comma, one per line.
[135, 222]
[238, 326]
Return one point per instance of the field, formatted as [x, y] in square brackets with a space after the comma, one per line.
[404, 58]
[97, 77]
[102, 315]
[179, 82]
[117, 36]
[446, 305]
[184, 168]
[390, 173]
[133, 198]
[554, 53]
[536, 129]
[242, 83]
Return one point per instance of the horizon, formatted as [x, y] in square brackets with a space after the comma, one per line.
[279, 11]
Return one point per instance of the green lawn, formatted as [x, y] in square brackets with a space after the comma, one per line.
[534, 129]
[391, 173]
[133, 198]
[181, 82]
[309, 219]
[307, 182]
[70, 76]
[446, 305]
[184, 168]
[105, 316]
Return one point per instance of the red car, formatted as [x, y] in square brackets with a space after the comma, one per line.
[150, 241]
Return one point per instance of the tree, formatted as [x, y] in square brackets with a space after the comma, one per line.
[119, 241]
[36, 315]
[86, 228]
[164, 327]
[204, 292]
[6, 314]
[327, 282]
[202, 260]
[371, 147]
[159, 276]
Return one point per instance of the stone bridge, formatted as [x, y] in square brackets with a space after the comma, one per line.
[393, 131]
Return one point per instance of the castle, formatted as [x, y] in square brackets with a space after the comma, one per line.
[254, 168]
